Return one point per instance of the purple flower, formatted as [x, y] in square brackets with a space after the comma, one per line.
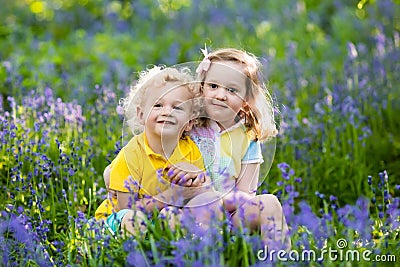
[320, 195]
[136, 258]
[17, 238]
[386, 196]
[283, 166]
[71, 171]
[120, 110]
[351, 51]
[357, 217]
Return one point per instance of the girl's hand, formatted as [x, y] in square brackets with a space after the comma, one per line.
[185, 174]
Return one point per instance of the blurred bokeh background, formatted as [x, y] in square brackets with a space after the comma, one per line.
[72, 44]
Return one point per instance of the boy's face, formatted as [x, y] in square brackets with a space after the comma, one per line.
[167, 111]
[224, 90]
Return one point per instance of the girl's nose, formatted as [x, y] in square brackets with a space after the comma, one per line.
[220, 94]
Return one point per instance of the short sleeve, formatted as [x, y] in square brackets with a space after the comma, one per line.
[120, 173]
[253, 153]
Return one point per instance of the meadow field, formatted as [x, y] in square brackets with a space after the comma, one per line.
[332, 67]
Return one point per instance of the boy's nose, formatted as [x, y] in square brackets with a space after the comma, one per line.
[166, 111]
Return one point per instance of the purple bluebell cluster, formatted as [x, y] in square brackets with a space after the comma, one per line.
[365, 222]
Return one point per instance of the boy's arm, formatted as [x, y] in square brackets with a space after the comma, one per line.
[106, 177]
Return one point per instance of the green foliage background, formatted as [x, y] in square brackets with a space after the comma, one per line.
[73, 45]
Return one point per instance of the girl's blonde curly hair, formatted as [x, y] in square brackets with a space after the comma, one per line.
[156, 77]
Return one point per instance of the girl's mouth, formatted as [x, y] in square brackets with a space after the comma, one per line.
[219, 104]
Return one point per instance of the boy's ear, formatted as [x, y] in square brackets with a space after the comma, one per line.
[189, 125]
[140, 115]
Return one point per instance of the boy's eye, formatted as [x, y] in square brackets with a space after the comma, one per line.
[213, 85]
[178, 107]
[157, 105]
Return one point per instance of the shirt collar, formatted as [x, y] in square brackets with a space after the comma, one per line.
[149, 151]
[216, 127]
[181, 146]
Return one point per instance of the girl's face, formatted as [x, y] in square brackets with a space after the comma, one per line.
[224, 92]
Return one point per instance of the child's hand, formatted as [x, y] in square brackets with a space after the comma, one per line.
[185, 174]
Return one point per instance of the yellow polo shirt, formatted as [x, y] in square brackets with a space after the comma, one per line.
[136, 165]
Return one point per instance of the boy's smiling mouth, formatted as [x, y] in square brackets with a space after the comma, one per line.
[166, 122]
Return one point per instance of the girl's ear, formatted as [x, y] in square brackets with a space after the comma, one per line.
[140, 115]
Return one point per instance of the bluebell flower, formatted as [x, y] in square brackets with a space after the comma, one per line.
[136, 258]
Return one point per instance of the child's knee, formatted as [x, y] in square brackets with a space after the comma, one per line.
[206, 207]
[206, 199]
[133, 222]
[271, 202]
[172, 215]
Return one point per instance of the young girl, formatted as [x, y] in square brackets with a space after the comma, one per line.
[162, 106]
[239, 116]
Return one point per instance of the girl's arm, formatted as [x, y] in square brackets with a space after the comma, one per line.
[248, 178]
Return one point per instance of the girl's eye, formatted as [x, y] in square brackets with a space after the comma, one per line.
[231, 90]
[157, 105]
